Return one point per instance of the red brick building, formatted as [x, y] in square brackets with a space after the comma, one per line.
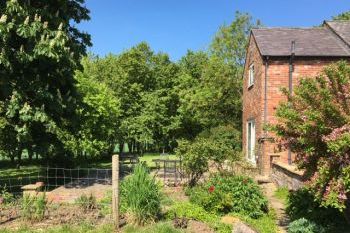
[276, 58]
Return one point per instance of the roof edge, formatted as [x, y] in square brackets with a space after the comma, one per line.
[325, 23]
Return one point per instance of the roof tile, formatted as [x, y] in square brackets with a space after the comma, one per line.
[318, 41]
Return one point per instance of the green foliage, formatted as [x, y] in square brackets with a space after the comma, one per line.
[195, 212]
[227, 194]
[342, 16]
[160, 227]
[315, 125]
[40, 51]
[130, 98]
[217, 144]
[87, 203]
[303, 225]
[194, 161]
[282, 193]
[79, 228]
[105, 204]
[140, 196]
[99, 113]
[210, 84]
[302, 204]
[231, 41]
[33, 208]
[264, 224]
[5, 196]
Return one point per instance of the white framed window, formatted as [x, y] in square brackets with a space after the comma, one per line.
[251, 140]
[251, 75]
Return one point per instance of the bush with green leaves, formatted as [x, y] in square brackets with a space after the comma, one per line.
[140, 196]
[303, 204]
[225, 194]
[315, 125]
[33, 208]
[303, 225]
[195, 212]
[216, 145]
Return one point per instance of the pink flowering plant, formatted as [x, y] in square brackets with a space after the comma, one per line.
[315, 124]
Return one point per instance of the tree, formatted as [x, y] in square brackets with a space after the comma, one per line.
[315, 124]
[215, 145]
[99, 114]
[211, 88]
[142, 83]
[230, 42]
[342, 16]
[40, 50]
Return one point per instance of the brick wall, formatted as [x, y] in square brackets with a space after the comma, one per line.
[253, 97]
[278, 77]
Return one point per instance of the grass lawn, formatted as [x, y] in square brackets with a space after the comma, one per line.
[282, 193]
[147, 158]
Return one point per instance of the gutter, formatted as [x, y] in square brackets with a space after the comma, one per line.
[290, 84]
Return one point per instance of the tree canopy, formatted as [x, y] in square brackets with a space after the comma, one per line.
[342, 16]
[56, 100]
[40, 51]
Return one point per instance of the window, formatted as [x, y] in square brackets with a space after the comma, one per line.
[251, 76]
[251, 140]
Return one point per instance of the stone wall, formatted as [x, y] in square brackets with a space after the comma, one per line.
[286, 176]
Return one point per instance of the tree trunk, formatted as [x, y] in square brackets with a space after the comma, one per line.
[121, 147]
[19, 156]
[30, 154]
[12, 158]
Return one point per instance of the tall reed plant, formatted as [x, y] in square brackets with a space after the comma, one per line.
[140, 196]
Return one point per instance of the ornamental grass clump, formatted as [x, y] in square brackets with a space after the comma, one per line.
[33, 208]
[140, 196]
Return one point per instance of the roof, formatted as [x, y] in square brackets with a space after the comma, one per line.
[309, 42]
[341, 28]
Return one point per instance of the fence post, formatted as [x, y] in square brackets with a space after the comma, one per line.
[115, 190]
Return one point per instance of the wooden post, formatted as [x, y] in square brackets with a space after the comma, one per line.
[115, 190]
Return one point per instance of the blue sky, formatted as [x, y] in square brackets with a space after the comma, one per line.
[174, 26]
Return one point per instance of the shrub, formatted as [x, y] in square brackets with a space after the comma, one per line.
[224, 194]
[192, 211]
[160, 227]
[140, 196]
[302, 204]
[217, 145]
[315, 125]
[194, 159]
[87, 202]
[33, 207]
[303, 225]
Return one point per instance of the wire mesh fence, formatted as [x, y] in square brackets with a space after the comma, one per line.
[53, 177]
[72, 194]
